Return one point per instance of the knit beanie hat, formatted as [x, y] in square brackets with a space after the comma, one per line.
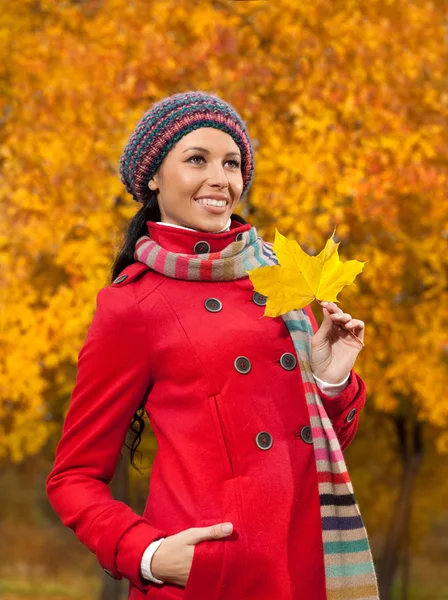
[165, 123]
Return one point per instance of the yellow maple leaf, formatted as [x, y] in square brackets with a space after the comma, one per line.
[300, 278]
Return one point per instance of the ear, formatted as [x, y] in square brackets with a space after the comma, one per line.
[152, 184]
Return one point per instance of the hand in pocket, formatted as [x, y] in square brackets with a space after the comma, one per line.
[172, 560]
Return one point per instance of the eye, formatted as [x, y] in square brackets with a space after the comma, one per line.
[235, 162]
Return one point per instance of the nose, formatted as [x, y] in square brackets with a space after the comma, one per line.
[217, 175]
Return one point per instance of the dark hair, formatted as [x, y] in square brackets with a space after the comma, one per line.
[137, 227]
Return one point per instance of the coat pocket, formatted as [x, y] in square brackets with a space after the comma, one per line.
[205, 572]
[222, 435]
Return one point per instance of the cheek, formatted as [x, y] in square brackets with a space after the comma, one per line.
[187, 183]
[238, 186]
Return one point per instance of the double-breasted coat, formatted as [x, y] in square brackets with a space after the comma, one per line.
[233, 444]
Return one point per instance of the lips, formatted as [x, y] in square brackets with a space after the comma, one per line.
[198, 199]
[217, 210]
[213, 197]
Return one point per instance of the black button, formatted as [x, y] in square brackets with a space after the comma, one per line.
[109, 573]
[120, 278]
[264, 440]
[306, 434]
[239, 236]
[201, 248]
[288, 361]
[242, 364]
[259, 299]
[213, 304]
[351, 415]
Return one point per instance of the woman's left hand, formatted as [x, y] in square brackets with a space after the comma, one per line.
[333, 348]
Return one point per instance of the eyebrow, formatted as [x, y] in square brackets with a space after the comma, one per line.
[207, 152]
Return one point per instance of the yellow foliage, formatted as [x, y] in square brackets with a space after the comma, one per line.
[299, 279]
[349, 110]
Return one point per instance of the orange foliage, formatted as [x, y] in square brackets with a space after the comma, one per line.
[347, 105]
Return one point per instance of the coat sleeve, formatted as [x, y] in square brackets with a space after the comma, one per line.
[343, 410]
[112, 378]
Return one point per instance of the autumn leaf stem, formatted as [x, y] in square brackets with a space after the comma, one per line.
[350, 332]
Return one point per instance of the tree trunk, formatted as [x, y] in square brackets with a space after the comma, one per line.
[409, 433]
[406, 557]
[111, 588]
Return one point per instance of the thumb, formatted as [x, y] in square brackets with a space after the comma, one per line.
[327, 323]
[213, 532]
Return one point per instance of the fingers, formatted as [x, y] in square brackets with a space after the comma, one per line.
[213, 532]
[332, 307]
[337, 315]
[354, 323]
[342, 318]
[221, 529]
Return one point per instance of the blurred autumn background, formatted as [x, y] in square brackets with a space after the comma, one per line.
[347, 106]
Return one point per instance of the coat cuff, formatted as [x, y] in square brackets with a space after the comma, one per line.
[130, 552]
[145, 564]
[332, 389]
[343, 410]
[337, 406]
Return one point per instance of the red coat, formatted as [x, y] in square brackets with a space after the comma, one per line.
[152, 336]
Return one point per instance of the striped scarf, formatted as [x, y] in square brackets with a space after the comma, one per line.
[349, 568]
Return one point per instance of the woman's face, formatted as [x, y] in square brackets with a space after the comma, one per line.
[188, 173]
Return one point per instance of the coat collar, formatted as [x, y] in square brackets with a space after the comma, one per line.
[184, 240]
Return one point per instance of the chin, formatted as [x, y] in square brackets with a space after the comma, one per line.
[217, 222]
[212, 224]
[209, 229]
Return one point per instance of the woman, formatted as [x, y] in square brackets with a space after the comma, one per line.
[245, 436]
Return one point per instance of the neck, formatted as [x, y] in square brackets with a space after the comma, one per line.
[176, 238]
[225, 228]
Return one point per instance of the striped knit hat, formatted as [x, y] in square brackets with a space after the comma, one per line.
[165, 123]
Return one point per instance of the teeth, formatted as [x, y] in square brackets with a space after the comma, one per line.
[211, 202]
